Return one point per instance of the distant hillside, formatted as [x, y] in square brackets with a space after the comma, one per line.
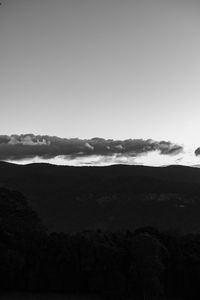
[115, 197]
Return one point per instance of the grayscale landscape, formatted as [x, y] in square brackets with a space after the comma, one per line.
[99, 150]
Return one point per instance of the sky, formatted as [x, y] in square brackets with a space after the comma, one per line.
[101, 68]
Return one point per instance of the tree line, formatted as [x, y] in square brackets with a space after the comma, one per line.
[145, 263]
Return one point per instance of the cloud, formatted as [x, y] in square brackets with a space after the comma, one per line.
[120, 147]
[197, 151]
[169, 148]
[28, 140]
[87, 145]
[29, 146]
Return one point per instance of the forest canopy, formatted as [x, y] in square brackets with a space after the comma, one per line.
[116, 265]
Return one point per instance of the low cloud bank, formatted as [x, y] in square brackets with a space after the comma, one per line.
[29, 146]
[197, 151]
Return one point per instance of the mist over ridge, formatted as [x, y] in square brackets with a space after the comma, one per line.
[30, 148]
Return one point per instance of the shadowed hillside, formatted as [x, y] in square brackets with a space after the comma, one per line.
[115, 197]
[108, 265]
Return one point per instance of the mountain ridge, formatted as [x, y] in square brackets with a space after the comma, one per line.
[113, 197]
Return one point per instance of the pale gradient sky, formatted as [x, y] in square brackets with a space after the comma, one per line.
[107, 68]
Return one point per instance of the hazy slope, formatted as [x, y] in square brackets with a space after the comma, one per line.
[115, 197]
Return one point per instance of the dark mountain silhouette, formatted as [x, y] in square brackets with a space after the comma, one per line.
[116, 197]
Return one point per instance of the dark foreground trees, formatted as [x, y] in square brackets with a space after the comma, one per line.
[145, 263]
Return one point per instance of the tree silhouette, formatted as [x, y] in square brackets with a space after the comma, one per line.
[147, 264]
